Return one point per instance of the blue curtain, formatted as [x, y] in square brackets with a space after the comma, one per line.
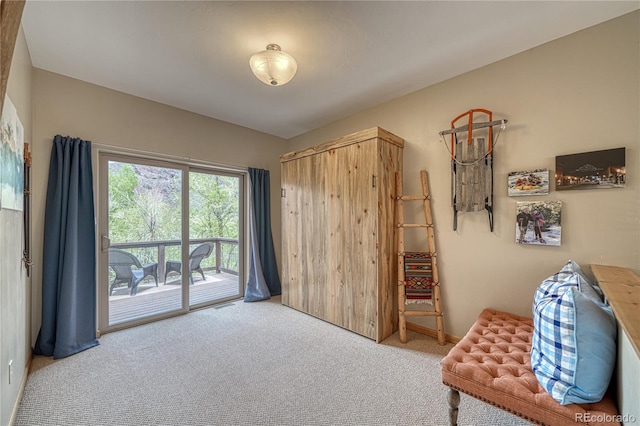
[69, 261]
[263, 281]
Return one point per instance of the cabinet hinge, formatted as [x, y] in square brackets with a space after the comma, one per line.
[373, 181]
[283, 192]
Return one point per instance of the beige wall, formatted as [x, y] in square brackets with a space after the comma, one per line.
[575, 94]
[71, 107]
[14, 284]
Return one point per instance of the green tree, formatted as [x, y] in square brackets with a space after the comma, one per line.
[214, 206]
[123, 182]
[145, 204]
[214, 212]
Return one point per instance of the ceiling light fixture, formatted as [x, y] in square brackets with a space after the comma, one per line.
[273, 66]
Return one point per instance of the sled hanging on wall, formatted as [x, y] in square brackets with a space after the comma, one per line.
[472, 163]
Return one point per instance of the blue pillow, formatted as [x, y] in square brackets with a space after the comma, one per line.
[550, 285]
[588, 286]
[573, 348]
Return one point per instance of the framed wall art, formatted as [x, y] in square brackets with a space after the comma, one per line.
[533, 182]
[591, 170]
[539, 222]
[11, 157]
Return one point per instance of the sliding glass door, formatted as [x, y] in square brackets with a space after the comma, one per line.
[215, 204]
[171, 239]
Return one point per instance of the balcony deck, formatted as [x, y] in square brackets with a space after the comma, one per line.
[151, 300]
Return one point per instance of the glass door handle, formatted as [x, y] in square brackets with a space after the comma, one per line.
[106, 243]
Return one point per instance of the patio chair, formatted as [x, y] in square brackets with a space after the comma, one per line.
[122, 263]
[201, 252]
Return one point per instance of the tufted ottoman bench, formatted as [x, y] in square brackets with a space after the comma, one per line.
[492, 363]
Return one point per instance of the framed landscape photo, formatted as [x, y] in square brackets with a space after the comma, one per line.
[11, 157]
[591, 170]
[534, 182]
[539, 222]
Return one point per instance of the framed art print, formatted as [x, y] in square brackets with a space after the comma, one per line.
[11, 157]
[538, 222]
[604, 169]
[534, 182]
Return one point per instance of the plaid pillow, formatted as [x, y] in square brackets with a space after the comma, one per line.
[551, 286]
[587, 284]
[573, 347]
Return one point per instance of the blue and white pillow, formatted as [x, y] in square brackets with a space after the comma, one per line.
[550, 285]
[573, 348]
[590, 287]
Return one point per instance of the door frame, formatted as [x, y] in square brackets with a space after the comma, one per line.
[105, 153]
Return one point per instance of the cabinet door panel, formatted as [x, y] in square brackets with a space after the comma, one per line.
[316, 231]
[303, 234]
[352, 238]
[290, 210]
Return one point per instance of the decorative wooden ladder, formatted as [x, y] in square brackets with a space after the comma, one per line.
[402, 298]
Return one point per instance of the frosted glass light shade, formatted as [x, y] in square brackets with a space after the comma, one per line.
[273, 66]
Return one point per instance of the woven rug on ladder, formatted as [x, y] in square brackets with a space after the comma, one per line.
[418, 277]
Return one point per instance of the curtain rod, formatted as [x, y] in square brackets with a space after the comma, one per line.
[113, 149]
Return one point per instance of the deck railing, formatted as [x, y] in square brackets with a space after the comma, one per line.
[223, 259]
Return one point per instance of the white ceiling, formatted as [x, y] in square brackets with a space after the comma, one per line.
[351, 55]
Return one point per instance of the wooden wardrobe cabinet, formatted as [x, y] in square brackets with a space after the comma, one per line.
[339, 256]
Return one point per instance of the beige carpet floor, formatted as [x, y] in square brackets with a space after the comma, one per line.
[247, 364]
